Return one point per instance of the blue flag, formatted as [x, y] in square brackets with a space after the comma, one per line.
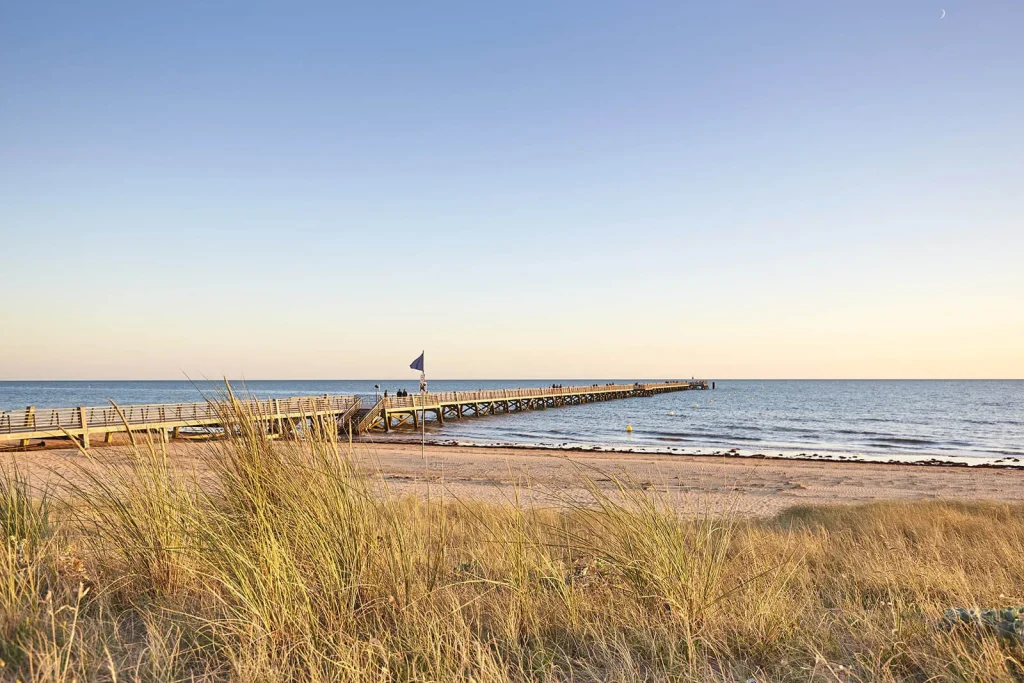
[418, 364]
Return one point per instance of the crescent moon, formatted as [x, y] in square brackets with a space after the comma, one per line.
[943, 14]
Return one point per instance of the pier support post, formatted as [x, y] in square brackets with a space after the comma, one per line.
[175, 432]
[30, 422]
[84, 422]
[415, 418]
[387, 420]
[108, 437]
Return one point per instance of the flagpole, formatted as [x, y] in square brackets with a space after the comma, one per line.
[419, 365]
[423, 418]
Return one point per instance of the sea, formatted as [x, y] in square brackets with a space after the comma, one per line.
[966, 422]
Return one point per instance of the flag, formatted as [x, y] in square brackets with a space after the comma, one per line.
[418, 363]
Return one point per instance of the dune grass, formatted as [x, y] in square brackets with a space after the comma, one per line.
[294, 562]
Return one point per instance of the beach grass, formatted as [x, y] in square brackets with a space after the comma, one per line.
[293, 561]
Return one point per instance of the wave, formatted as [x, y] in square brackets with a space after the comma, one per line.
[901, 440]
[660, 434]
[796, 430]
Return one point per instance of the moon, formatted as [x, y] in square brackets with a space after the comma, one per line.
[943, 14]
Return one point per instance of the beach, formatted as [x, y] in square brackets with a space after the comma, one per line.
[761, 568]
[512, 343]
[747, 486]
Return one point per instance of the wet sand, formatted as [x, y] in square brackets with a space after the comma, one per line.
[748, 486]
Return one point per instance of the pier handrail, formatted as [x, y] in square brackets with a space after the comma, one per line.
[432, 399]
[38, 419]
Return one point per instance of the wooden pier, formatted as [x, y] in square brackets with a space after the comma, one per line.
[292, 416]
[281, 416]
[398, 411]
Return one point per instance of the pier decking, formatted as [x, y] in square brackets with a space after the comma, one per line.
[290, 416]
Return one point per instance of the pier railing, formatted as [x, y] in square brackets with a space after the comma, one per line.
[34, 419]
[429, 400]
[29, 423]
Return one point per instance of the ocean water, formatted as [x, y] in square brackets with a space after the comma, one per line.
[973, 421]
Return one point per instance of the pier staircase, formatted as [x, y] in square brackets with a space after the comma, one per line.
[366, 417]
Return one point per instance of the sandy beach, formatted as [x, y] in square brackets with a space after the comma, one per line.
[748, 486]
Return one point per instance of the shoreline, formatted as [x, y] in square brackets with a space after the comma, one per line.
[1010, 462]
[936, 460]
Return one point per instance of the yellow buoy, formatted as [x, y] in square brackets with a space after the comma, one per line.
[671, 412]
[629, 428]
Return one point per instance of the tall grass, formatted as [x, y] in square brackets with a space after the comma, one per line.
[294, 561]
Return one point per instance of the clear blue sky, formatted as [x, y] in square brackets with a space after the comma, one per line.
[721, 189]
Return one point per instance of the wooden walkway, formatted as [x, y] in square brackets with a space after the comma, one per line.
[393, 412]
[291, 416]
[280, 415]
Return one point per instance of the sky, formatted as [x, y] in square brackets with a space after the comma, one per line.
[787, 189]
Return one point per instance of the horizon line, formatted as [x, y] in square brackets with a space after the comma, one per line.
[542, 379]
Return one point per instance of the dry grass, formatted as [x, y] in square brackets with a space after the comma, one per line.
[297, 564]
